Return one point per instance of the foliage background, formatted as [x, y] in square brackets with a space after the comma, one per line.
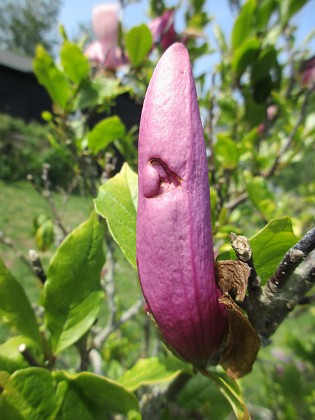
[259, 119]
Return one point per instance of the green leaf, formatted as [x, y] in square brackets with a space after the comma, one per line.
[53, 80]
[245, 55]
[244, 24]
[265, 74]
[230, 389]
[100, 90]
[28, 394]
[89, 396]
[87, 96]
[309, 126]
[117, 203]
[45, 235]
[199, 393]
[261, 197]
[15, 308]
[247, 143]
[288, 8]
[107, 87]
[226, 151]
[72, 291]
[270, 244]
[265, 63]
[151, 371]
[254, 113]
[265, 9]
[138, 43]
[105, 132]
[74, 63]
[220, 37]
[11, 358]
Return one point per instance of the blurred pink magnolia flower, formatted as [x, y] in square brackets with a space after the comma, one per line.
[174, 239]
[308, 72]
[162, 29]
[272, 111]
[105, 50]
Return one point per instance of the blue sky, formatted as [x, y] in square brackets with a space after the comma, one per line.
[74, 12]
[135, 14]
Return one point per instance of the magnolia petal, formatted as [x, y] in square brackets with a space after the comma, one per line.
[174, 241]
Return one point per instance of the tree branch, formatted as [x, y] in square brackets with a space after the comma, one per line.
[46, 194]
[28, 356]
[9, 243]
[113, 323]
[231, 205]
[291, 260]
[243, 251]
[268, 306]
[37, 265]
[110, 328]
[273, 307]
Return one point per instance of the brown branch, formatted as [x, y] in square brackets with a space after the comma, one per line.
[231, 205]
[243, 251]
[46, 194]
[113, 323]
[96, 361]
[110, 328]
[268, 306]
[272, 309]
[9, 243]
[291, 260]
[37, 265]
[28, 356]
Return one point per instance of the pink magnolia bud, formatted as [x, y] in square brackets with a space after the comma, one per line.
[174, 240]
[162, 29]
[272, 111]
[105, 21]
[105, 50]
[307, 71]
[109, 58]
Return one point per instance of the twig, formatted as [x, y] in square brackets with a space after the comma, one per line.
[27, 355]
[231, 205]
[46, 194]
[109, 329]
[83, 350]
[291, 136]
[66, 194]
[268, 306]
[270, 310]
[109, 285]
[37, 265]
[113, 323]
[9, 243]
[291, 260]
[243, 251]
[96, 361]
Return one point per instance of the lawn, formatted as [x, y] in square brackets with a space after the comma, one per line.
[20, 205]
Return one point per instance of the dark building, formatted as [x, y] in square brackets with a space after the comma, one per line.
[20, 94]
[23, 97]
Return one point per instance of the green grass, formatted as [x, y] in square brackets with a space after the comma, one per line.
[20, 205]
